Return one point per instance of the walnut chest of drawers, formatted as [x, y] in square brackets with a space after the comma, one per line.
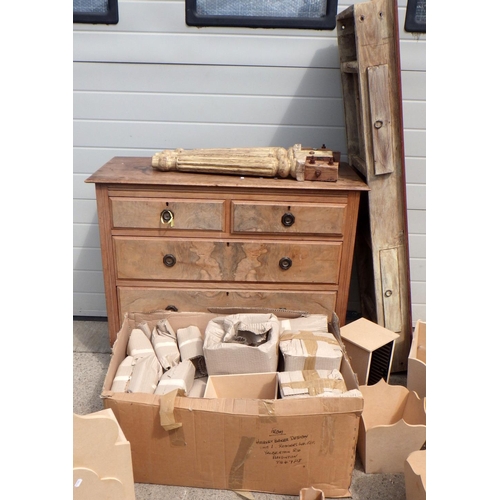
[191, 242]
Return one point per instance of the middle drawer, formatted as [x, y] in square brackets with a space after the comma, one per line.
[227, 260]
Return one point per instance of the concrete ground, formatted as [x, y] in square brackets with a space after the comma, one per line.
[91, 354]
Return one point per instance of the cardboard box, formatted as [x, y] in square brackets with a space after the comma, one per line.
[392, 426]
[370, 348]
[416, 372]
[243, 386]
[268, 445]
[415, 475]
[102, 460]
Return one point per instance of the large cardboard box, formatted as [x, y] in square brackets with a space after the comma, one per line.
[393, 425]
[417, 359]
[270, 445]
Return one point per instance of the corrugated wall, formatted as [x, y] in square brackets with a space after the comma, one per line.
[151, 83]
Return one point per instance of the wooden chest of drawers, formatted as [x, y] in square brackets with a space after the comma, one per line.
[195, 241]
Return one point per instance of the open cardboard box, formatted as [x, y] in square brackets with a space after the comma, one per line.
[393, 425]
[243, 385]
[270, 445]
[416, 373]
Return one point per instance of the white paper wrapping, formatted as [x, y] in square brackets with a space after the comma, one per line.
[181, 376]
[138, 344]
[145, 375]
[311, 383]
[164, 341]
[306, 350]
[223, 357]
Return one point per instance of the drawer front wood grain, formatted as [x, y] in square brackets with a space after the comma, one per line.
[146, 213]
[298, 218]
[137, 299]
[204, 260]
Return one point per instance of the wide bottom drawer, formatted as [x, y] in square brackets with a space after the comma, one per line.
[137, 299]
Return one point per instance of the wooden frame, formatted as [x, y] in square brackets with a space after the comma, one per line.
[368, 39]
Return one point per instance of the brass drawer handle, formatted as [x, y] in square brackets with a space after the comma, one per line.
[169, 260]
[167, 217]
[285, 263]
[288, 219]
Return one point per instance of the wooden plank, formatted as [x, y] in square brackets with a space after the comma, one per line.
[389, 270]
[374, 95]
[380, 114]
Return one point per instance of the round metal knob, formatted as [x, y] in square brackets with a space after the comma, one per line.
[288, 219]
[166, 216]
[388, 293]
[171, 308]
[285, 263]
[169, 260]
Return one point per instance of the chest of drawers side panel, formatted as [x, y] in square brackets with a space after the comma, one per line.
[108, 260]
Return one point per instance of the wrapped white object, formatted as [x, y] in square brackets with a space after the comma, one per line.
[190, 342]
[242, 343]
[198, 389]
[164, 341]
[306, 350]
[311, 383]
[143, 325]
[311, 323]
[123, 374]
[138, 344]
[181, 376]
[146, 373]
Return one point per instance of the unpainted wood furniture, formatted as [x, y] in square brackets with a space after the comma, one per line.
[368, 39]
[191, 241]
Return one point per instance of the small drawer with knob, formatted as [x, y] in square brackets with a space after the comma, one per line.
[167, 213]
[299, 218]
[232, 260]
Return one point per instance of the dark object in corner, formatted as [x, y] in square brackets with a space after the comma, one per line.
[415, 20]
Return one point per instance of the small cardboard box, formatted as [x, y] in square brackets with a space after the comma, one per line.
[245, 385]
[416, 372]
[392, 427]
[370, 348]
[268, 445]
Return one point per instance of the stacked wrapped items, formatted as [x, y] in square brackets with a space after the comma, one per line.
[310, 350]
[140, 371]
[307, 383]
[164, 341]
[181, 376]
[190, 342]
[242, 343]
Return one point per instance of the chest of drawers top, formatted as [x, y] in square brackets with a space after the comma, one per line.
[126, 170]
